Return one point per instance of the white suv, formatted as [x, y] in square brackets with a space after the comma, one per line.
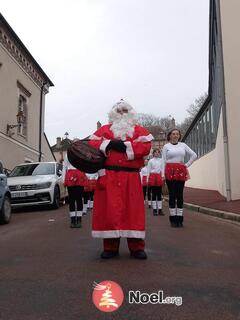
[37, 183]
[5, 198]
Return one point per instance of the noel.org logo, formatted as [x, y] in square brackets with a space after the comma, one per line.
[107, 296]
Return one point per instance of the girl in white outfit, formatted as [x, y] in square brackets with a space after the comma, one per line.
[144, 179]
[155, 182]
[175, 172]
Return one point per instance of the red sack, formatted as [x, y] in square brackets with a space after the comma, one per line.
[85, 157]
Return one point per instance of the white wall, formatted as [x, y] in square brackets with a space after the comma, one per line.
[231, 54]
[208, 172]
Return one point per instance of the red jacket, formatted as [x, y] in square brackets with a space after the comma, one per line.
[118, 200]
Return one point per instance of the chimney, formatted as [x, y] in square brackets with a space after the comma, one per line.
[99, 125]
[58, 142]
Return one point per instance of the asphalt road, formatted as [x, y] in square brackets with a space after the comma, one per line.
[47, 270]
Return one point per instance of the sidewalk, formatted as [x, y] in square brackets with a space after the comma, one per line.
[211, 202]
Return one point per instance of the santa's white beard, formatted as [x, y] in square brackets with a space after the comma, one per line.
[123, 125]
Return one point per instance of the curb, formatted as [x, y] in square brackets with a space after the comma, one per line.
[213, 212]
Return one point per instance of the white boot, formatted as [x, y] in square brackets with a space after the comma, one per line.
[88, 204]
[73, 219]
[172, 211]
[154, 206]
[79, 213]
[72, 214]
[159, 204]
[180, 212]
[173, 217]
[84, 208]
[180, 217]
[79, 219]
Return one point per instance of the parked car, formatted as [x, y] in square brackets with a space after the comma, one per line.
[5, 198]
[37, 183]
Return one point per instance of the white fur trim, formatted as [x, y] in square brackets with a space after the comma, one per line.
[94, 137]
[72, 214]
[119, 233]
[159, 204]
[104, 145]
[79, 213]
[179, 212]
[154, 205]
[129, 150]
[144, 138]
[101, 172]
[172, 211]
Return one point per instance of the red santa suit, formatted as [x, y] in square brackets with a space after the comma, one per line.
[118, 201]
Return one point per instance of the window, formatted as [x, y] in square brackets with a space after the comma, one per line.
[34, 169]
[22, 108]
[203, 133]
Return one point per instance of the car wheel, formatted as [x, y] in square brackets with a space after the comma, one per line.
[56, 199]
[5, 212]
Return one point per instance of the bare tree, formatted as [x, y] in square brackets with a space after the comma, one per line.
[155, 124]
[167, 123]
[147, 120]
[183, 126]
[192, 111]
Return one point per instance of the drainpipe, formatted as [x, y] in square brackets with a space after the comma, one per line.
[224, 112]
[40, 123]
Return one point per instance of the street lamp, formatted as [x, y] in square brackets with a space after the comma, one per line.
[20, 120]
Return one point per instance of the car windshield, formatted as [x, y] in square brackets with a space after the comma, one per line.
[34, 169]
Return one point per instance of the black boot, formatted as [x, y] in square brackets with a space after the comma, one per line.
[180, 222]
[139, 254]
[73, 222]
[173, 221]
[155, 212]
[109, 254]
[177, 221]
[78, 222]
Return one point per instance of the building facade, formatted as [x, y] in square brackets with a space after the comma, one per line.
[214, 133]
[23, 86]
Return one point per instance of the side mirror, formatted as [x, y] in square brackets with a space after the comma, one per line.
[59, 173]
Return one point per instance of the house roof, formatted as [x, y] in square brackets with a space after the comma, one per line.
[64, 144]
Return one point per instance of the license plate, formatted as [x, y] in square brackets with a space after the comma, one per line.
[19, 194]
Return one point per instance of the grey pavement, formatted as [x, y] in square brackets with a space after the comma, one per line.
[47, 269]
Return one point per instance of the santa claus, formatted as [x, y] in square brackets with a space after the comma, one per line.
[118, 202]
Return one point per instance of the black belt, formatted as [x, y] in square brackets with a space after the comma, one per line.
[117, 168]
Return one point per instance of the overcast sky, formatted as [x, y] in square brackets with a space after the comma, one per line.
[153, 53]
